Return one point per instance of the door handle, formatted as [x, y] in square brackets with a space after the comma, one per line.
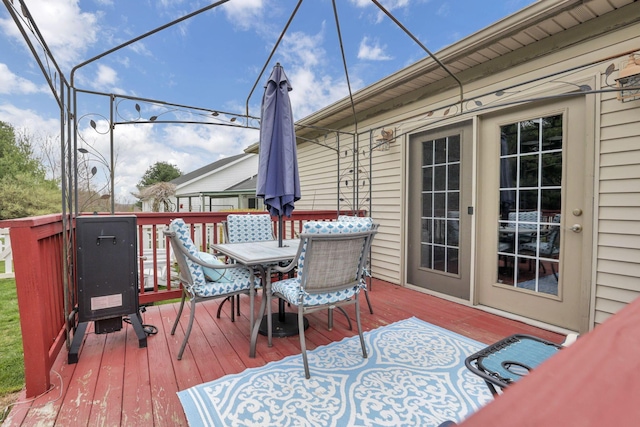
[576, 228]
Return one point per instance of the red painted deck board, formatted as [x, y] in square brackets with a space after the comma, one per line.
[116, 383]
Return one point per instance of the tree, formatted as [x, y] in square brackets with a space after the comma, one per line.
[16, 154]
[159, 172]
[159, 194]
[25, 189]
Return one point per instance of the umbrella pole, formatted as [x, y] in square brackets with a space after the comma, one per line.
[281, 316]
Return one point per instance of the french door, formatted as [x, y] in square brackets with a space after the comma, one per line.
[534, 213]
[439, 231]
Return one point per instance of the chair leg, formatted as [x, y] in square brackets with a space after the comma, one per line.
[233, 308]
[220, 307]
[364, 348]
[303, 347]
[175, 324]
[366, 294]
[330, 322]
[237, 305]
[192, 315]
[256, 324]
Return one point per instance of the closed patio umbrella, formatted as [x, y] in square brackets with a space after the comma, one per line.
[278, 180]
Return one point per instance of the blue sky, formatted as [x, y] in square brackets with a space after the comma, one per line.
[212, 61]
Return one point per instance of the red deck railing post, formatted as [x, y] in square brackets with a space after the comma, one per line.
[34, 242]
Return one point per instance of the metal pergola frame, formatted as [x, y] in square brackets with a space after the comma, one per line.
[66, 93]
[351, 169]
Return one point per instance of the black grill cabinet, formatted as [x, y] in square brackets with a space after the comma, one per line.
[106, 272]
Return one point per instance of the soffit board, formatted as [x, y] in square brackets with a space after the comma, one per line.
[543, 19]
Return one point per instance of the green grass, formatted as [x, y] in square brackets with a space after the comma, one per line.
[11, 355]
[2, 267]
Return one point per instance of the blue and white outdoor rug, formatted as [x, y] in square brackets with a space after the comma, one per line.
[414, 376]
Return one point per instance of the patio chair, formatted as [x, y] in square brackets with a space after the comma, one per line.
[248, 228]
[366, 276]
[241, 229]
[205, 280]
[330, 262]
[547, 246]
[508, 360]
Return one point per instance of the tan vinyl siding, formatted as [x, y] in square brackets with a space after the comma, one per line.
[318, 172]
[618, 224]
[318, 180]
[416, 101]
[386, 178]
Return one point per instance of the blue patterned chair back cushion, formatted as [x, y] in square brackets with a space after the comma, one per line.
[330, 227]
[249, 228]
[181, 229]
[364, 219]
[532, 217]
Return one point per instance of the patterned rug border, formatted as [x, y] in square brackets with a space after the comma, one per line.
[445, 386]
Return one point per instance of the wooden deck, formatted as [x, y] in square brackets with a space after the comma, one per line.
[115, 383]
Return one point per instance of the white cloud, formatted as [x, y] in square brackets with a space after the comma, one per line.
[389, 5]
[372, 51]
[444, 10]
[67, 30]
[11, 83]
[106, 77]
[29, 119]
[304, 50]
[139, 146]
[245, 14]
[305, 62]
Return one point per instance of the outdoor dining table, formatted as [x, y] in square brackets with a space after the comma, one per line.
[262, 255]
[511, 232]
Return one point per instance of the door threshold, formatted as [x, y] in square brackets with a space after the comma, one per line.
[528, 321]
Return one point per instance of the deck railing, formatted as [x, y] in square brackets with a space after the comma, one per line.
[37, 249]
[5, 254]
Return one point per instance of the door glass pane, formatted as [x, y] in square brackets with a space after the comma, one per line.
[441, 204]
[530, 202]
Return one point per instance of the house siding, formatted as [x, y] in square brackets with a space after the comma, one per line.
[318, 164]
[614, 267]
[617, 277]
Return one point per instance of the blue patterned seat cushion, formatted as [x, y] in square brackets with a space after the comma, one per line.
[290, 288]
[237, 279]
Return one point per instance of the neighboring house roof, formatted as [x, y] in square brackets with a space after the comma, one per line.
[246, 185]
[206, 170]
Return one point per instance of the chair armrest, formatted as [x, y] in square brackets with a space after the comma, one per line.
[294, 262]
[287, 268]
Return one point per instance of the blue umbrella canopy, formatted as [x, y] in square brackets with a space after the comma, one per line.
[278, 180]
